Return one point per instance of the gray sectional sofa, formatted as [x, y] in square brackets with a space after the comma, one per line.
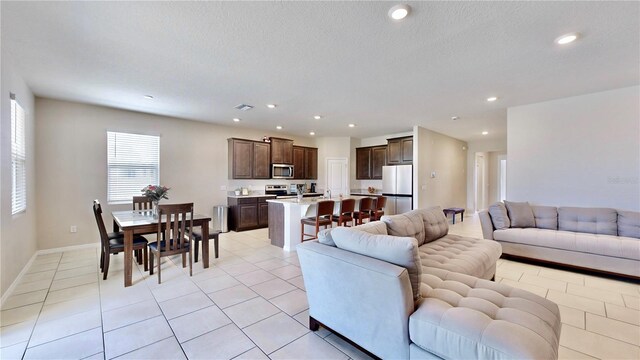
[601, 239]
[404, 288]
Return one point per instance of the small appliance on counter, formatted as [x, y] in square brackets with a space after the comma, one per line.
[313, 187]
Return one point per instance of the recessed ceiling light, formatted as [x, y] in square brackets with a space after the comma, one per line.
[399, 12]
[236, 119]
[312, 133]
[485, 133]
[279, 127]
[493, 98]
[454, 118]
[271, 106]
[317, 117]
[352, 125]
[567, 38]
[148, 97]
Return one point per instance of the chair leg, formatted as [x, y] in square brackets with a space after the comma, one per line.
[215, 245]
[301, 232]
[105, 269]
[190, 264]
[151, 256]
[159, 268]
[145, 259]
[184, 260]
[101, 259]
[195, 249]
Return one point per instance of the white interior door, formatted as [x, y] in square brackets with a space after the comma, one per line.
[338, 176]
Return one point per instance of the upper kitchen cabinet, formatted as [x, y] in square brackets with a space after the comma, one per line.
[310, 163]
[400, 150]
[369, 162]
[249, 159]
[281, 151]
[305, 163]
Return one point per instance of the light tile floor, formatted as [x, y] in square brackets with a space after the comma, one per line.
[251, 304]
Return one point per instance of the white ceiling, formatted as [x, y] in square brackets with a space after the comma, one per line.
[344, 60]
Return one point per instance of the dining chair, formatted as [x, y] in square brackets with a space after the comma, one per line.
[142, 203]
[324, 212]
[381, 202]
[365, 209]
[113, 243]
[345, 215]
[177, 235]
[197, 237]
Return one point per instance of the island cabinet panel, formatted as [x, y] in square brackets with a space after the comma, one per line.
[246, 213]
[310, 163]
[276, 224]
[363, 163]
[400, 150]
[281, 151]
[298, 162]
[378, 160]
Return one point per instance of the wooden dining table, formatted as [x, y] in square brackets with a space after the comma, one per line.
[143, 222]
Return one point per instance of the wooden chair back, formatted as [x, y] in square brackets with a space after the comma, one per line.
[381, 203]
[177, 233]
[366, 205]
[325, 208]
[347, 206]
[142, 203]
[97, 212]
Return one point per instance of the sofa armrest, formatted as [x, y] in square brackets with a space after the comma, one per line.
[367, 300]
[487, 224]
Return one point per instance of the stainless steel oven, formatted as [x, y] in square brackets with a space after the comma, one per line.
[281, 171]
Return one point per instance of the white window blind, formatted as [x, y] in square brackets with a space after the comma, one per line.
[133, 163]
[18, 158]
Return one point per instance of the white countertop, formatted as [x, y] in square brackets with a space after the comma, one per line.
[249, 196]
[313, 200]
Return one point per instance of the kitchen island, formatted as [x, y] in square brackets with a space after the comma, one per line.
[285, 216]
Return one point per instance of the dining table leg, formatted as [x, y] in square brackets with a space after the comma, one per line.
[128, 256]
[205, 244]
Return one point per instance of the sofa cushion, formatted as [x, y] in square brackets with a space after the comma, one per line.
[435, 222]
[546, 217]
[499, 216]
[324, 237]
[462, 317]
[520, 214]
[373, 227]
[629, 224]
[407, 224]
[607, 245]
[401, 251]
[588, 220]
[461, 254]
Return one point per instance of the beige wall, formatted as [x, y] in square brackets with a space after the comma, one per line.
[444, 155]
[578, 151]
[17, 232]
[71, 163]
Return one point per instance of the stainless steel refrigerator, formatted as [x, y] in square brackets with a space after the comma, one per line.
[397, 186]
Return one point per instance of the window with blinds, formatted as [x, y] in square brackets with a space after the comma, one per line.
[18, 158]
[133, 162]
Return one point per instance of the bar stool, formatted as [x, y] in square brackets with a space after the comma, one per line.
[322, 218]
[364, 210]
[379, 207]
[347, 206]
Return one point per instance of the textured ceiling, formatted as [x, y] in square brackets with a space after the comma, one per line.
[344, 60]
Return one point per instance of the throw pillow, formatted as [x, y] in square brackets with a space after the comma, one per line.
[499, 216]
[324, 237]
[408, 224]
[435, 223]
[520, 214]
[374, 227]
[401, 251]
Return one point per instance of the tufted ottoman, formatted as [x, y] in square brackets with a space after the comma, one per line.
[476, 257]
[462, 317]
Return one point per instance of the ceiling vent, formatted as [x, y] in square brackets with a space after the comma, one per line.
[244, 107]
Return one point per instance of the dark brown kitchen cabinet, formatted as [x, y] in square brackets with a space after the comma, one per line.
[369, 162]
[400, 150]
[246, 213]
[249, 159]
[305, 163]
[298, 162]
[311, 163]
[281, 151]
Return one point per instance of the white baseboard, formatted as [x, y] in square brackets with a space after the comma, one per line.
[15, 282]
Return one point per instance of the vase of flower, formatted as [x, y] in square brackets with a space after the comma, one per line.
[155, 193]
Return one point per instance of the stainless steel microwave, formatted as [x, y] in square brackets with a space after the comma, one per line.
[281, 171]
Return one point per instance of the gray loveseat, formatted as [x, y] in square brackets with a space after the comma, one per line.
[601, 239]
[404, 288]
